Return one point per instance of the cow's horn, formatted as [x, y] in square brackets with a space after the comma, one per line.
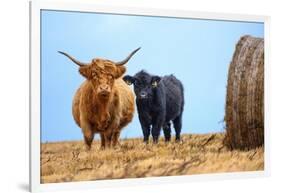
[73, 59]
[128, 58]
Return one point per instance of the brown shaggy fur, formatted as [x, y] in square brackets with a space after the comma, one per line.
[104, 115]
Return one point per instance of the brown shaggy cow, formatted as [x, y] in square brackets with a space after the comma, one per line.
[104, 103]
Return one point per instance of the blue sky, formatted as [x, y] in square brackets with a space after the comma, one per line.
[198, 52]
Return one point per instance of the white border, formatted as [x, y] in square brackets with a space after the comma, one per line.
[36, 6]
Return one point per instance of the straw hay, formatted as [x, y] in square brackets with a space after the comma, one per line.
[244, 112]
[70, 161]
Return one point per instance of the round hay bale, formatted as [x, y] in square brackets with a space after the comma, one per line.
[244, 110]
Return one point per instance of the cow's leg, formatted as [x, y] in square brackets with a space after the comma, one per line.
[115, 138]
[178, 125]
[88, 133]
[109, 134]
[108, 139]
[167, 131]
[102, 140]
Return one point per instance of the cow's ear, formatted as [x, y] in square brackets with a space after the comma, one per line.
[120, 70]
[129, 79]
[154, 81]
[86, 71]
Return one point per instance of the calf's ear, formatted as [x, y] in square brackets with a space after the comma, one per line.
[154, 81]
[129, 79]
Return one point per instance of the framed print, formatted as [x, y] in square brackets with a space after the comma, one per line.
[129, 96]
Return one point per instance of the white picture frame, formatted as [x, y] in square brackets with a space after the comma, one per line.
[37, 6]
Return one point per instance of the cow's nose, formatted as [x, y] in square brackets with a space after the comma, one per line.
[104, 90]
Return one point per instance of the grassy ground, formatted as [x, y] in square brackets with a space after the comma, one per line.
[196, 154]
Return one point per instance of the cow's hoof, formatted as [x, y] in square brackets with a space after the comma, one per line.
[178, 141]
[145, 142]
[155, 142]
[102, 149]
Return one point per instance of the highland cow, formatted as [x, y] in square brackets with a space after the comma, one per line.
[160, 101]
[103, 104]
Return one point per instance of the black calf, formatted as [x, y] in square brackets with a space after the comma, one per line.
[160, 100]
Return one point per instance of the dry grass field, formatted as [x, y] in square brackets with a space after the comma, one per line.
[196, 154]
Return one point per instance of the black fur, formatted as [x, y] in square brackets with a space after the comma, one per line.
[160, 100]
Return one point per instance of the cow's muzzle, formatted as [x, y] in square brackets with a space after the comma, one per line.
[104, 94]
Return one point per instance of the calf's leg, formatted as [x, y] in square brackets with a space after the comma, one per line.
[145, 126]
[146, 132]
[167, 131]
[178, 125]
[156, 128]
[157, 124]
[156, 133]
